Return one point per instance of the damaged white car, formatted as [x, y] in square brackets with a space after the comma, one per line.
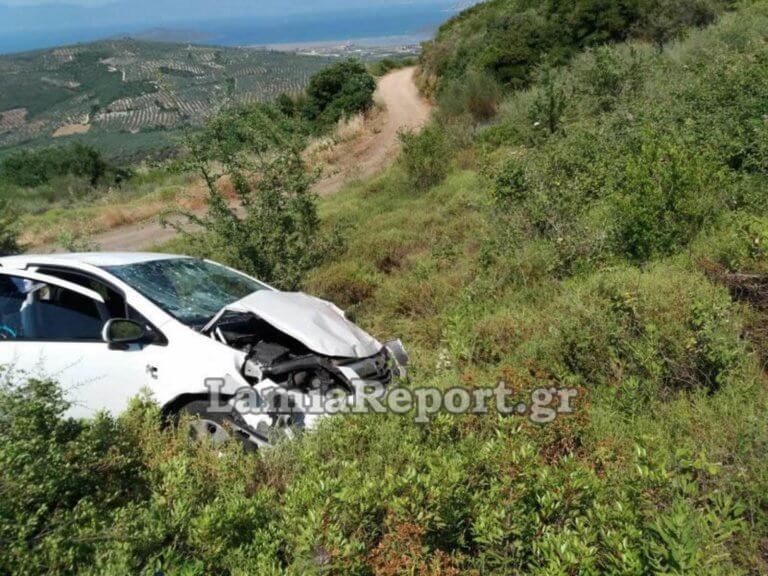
[107, 325]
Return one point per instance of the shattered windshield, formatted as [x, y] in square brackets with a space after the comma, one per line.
[192, 291]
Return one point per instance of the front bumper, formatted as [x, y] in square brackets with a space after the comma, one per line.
[302, 411]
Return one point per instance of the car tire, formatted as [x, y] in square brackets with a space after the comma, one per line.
[216, 428]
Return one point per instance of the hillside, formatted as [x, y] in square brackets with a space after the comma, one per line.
[600, 228]
[509, 39]
[124, 96]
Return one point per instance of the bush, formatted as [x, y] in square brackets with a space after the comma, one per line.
[549, 104]
[66, 474]
[509, 39]
[426, 156]
[648, 151]
[339, 91]
[116, 496]
[667, 196]
[739, 244]
[277, 236]
[475, 93]
[386, 65]
[611, 76]
[9, 229]
[30, 168]
[254, 128]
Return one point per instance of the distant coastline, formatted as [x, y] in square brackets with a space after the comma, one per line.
[375, 41]
[398, 24]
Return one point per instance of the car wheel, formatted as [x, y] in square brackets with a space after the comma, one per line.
[217, 428]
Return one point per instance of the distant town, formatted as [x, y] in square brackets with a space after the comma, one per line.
[365, 49]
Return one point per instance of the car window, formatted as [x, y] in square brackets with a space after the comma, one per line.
[114, 301]
[31, 310]
[193, 291]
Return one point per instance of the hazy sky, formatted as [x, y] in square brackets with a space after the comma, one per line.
[35, 2]
[254, 2]
[30, 24]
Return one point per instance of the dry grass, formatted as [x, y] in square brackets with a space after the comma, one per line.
[70, 129]
[335, 157]
[329, 154]
[113, 212]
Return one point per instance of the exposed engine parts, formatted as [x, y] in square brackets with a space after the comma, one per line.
[310, 373]
[273, 355]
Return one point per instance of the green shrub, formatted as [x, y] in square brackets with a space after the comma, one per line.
[30, 168]
[347, 284]
[611, 76]
[549, 105]
[9, 229]
[426, 156]
[287, 104]
[666, 197]
[65, 475]
[254, 128]
[475, 93]
[647, 151]
[387, 65]
[740, 244]
[277, 234]
[339, 91]
[509, 39]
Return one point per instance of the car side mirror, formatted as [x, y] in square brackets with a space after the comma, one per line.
[120, 332]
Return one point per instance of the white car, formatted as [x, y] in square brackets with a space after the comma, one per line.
[108, 325]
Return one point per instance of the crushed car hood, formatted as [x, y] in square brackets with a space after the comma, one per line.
[317, 324]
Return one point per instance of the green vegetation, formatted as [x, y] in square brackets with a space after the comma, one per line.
[258, 151]
[9, 229]
[340, 91]
[33, 180]
[122, 89]
[475, 94]
[426, 156]
[387, 65]
[29, 169]
[606, 230]
[277, 238]
[124, 148]
[509, 39]
[89, 191]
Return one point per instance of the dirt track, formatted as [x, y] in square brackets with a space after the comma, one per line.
[404, 109]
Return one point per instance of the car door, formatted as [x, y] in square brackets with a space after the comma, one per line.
[51, 328]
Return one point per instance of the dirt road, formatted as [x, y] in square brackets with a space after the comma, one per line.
[404, 109]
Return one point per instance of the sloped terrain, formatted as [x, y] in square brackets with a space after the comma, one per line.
[606, 231]
[131, 87]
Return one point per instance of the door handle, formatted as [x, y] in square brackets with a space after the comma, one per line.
[152, 371]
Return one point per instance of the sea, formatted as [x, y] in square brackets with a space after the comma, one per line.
[396, 23]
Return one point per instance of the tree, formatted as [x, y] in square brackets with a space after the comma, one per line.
[272, 229]
[341, 90]
[30, 168]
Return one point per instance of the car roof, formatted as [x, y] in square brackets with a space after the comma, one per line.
[99, 259]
